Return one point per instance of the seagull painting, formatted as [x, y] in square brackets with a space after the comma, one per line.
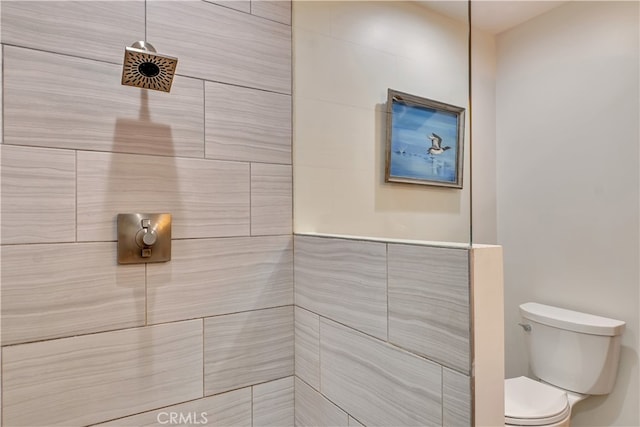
[436, 145]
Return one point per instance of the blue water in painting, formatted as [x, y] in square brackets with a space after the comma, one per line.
[424, 166]
[410, 141]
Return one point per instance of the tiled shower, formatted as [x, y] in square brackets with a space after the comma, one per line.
[238, 329]
[85, 340]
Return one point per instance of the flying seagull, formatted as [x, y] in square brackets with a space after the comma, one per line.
[436, 145]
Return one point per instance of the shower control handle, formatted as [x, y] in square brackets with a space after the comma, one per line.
[144, 237]
[149, 238]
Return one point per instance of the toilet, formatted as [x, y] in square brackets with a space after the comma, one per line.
[572, 355]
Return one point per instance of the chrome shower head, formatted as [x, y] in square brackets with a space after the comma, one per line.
[145, 68]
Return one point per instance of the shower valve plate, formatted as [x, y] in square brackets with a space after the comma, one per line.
[133, 248]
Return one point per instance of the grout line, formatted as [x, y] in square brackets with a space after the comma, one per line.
[146, 295]
[128, 153]
[85, 242]
[250, 13]
[169, 322]
[387, 289]
[120, 63]
[327, 399]
[442, 395]
[2, 393]
[319, 355]
[250, 200]
[2, 89]
[390, 344]
[203, 359]
[75, 204]
[145, 20]
[294, 397]
[186, 401]
[252, 404]
[204, 119]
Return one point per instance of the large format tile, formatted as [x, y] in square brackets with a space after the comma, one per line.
[207, 198]
[247, 124]
[314, 410]
[273, 403]
[247, 348]
[51, 291]
[223, 410]
[354, 423]
[344, 280]
[221, 44]
[89, 29]
[307, 337]
[93, 378]
[241, 5]
[271, 199]
[378, 384]
[208, 277]
[276, 10]
[429, 303]
[38, 195]
[1, 85]
[65, 102]
[456, 399]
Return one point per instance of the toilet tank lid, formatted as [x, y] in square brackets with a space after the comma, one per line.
[571, 320]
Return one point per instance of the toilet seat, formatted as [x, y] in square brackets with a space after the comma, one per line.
[532, 403]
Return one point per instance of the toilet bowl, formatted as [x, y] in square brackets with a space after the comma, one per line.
[533, 403]
[556, 339]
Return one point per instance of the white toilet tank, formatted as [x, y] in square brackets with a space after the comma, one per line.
[572, 350]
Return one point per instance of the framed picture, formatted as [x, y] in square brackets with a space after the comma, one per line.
[424, 141]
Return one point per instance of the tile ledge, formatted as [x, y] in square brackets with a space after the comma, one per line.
[454, 245]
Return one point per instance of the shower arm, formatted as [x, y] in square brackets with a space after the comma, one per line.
[144, 46]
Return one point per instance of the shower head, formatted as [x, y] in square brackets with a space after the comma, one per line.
[145, 68]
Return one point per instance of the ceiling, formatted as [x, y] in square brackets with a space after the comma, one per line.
[491, 15]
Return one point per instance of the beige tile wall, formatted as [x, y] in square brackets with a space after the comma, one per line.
[51, 291]
[307, 341]
[273, 403]
[90, 378]
[348, 375]
[85, 340]
[429, 308]
[219, 44]
[344, 280]
[80, 104]
[38, 195]
[313, 409]
[72, 30]
[210, 277]
[392, 387]
[247, 124]
[247, 348]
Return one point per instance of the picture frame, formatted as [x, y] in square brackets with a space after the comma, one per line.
[425, 141]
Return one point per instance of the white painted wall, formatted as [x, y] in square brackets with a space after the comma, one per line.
[567, 179]
[483, 104]
[346, 55]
